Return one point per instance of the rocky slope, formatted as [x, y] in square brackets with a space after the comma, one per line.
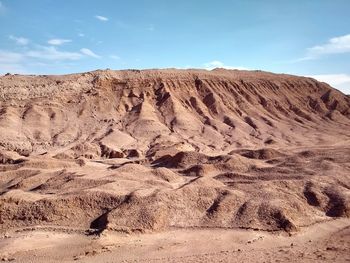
[149, 150]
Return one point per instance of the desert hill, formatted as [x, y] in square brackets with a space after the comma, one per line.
[157, 149]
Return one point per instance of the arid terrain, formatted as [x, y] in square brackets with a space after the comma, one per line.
[173, 166]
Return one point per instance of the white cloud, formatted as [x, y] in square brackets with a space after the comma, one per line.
[10, 57]
[3, 8]
[151, 27]
[300, 59]
[336, 45]
[58, 41]
[339, 81]
[11, 62]
[81, 35]
[218, 64]
[333, 79]
[12, 68]
[114, 57]
[51, 53]
[42, 52]
[102, 18]
[19, 40]
[89, 53]
[23, 62]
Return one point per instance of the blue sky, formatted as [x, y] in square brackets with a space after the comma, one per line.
[302, 37]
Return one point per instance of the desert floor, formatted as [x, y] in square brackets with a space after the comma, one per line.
[327, 242]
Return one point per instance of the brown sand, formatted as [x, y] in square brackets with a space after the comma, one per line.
[206, 157]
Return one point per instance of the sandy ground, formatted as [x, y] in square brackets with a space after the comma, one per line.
[323, 242]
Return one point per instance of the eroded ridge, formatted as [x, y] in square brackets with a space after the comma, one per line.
[158, 149]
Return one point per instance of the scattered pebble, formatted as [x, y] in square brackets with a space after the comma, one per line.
[7, 259]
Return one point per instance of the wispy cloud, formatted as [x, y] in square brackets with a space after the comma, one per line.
[306, 58]
[333, 79]
[19, 40]
[3, 8]
[11, 62]
[102, 18]
[12, 68]
[58, 41]
[114, 57]
[89, 53]
[340, 81]
[151, 27]
[23, 62]
[336, 45]
[42, 53]
[218, 64]
[81, 35]
[51, 53]
[10, 57]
